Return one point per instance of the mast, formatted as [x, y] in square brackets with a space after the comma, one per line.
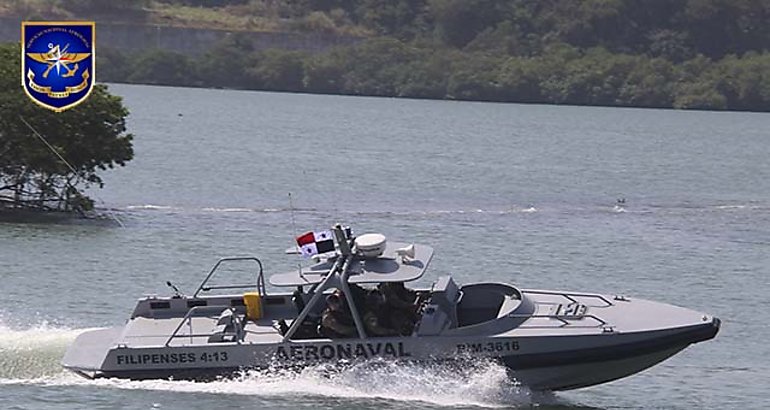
[336, 278]
[348, 256]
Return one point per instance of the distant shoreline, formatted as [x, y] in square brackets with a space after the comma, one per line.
[110, 83]
[386, 67]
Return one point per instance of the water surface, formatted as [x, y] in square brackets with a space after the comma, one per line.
[504, 192]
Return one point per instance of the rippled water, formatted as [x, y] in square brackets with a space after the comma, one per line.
[517, 193]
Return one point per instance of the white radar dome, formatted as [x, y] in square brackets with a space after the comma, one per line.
[371, 245]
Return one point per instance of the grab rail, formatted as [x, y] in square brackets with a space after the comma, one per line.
[569, 297]
[565, 320]
[188, 318]
[260, 277]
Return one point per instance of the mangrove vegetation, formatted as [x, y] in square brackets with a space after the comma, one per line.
[48, 159]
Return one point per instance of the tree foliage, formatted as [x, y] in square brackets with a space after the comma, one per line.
[677, 29]
[709, 54]
[560, 74]
[91, 137]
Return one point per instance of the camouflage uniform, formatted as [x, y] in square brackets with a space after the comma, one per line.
[398, 296]
[336, 320]
[376, 319]
[401, 302]
[376, 324]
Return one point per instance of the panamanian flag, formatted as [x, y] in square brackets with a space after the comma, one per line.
[313, 243]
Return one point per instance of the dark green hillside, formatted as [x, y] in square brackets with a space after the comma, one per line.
[705, 54]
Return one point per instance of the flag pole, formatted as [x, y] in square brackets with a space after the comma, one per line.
[294, 229]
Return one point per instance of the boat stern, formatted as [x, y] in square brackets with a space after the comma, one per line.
[86, 355]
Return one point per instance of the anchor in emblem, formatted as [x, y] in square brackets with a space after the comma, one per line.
[59, 58]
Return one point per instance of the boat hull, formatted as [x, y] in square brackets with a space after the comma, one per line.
[579, 375]
[552, 378]
[592, 360]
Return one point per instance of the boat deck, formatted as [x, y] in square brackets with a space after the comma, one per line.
[146, 332]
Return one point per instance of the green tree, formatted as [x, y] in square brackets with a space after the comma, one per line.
[475, 77]
[114, 65]
[699, 96]
[91, 137]
[670, 44]
[225, 64]
[649, 84]
[163, 68]
[720, 27]
[596, 77]
[520, 79]
[744, 81]
[554, 86]
[458, 22]
[400, 18]
[323, 72]
[375, 66]
[278, 70]
[424, 77]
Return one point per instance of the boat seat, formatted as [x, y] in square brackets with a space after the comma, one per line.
[227, 329]
[298, 300]
[447, 295]
[509, 305]
[441, 312]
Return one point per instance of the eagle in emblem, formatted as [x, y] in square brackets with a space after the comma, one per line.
[59, 58]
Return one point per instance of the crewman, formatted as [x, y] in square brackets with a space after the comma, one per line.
[402, 304]
[336, 320]
[376, 318]
[358, 293]
[398, 296]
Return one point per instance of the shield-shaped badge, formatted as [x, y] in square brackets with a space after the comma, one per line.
[58, 62]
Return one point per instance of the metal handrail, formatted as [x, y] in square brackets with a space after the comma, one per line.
[188, 317]
[562, 318]
[260, 277]
[568, 296]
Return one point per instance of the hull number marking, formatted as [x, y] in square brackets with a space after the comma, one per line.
[488, 347]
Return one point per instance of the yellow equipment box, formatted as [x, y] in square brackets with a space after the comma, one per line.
[253, 302]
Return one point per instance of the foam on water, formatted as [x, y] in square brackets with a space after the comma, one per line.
[34, 352]
[214, 209]
[482, 384]
[639, 208]
[152, 207]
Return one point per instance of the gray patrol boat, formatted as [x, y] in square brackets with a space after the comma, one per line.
[550, 340]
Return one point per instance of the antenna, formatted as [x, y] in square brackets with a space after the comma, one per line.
[294, 232]
[177, 293]
[71, 168]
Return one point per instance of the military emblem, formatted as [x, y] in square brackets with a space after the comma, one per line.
[58, 62]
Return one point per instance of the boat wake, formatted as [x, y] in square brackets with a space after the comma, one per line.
[429, 212]
[462, 212]
[152, 207]
[481, 384]
[34, 352]
[31, 357]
